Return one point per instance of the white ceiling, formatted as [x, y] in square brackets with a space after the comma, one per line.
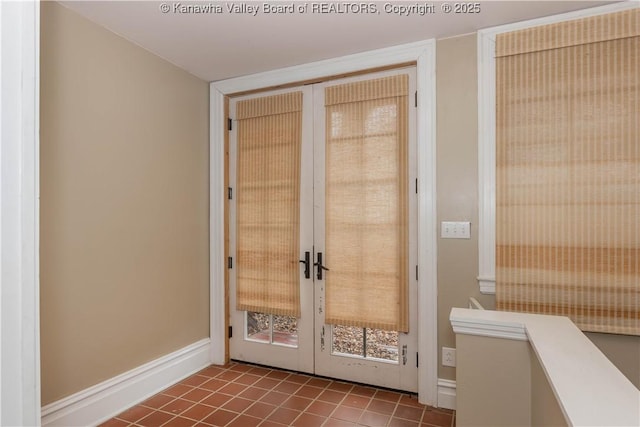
[216, 46]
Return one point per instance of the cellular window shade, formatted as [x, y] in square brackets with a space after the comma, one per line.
[268, 214]
[568, 171]
[366, 220]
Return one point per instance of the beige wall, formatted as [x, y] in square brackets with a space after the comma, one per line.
[545, 409]
[457, 181]
[124, 205]
[501, 383]
[623, 351]
[494, 382]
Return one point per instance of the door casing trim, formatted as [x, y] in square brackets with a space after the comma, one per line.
[423, 53]
[20, 384]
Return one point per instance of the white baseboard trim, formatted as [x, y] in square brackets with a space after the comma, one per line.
[100, 402]
[446, 394]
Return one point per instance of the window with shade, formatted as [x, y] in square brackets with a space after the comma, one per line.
[367, 204]
[270, 135]
[567, 219]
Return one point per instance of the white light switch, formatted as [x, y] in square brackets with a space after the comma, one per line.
[455, 230]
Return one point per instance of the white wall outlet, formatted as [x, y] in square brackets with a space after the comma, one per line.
[448, 356]
[455, 230]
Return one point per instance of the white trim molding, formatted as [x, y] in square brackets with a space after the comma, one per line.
[446, 394]
[427, 226]
[423, 54]
[331, 67]
[19, 213]
[486, 327]
[486, 163]
[487, 132]
[101, 402]
[217, 194]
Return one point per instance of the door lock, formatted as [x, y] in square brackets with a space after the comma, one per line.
[320, 266]
[307, 264]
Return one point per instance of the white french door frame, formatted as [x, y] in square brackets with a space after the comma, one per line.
[400, 374]
[299, 358]
[423, 54]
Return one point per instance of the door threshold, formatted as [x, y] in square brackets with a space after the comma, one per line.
[339, 380]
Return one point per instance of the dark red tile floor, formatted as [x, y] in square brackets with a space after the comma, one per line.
[244, 395]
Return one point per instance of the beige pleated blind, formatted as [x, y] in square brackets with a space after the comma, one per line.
[568, 171]
[268, 194]
[366, 222]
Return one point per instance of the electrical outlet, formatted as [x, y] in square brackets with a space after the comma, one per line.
[448, 356]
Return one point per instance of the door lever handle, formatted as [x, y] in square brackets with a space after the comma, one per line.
[307, 264]
[320, 266]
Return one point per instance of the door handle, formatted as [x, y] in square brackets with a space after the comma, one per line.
[320, 266]
[307, 264]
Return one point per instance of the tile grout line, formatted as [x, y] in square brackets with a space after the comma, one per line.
[272, 389]
[316, 399]
[297, 382]
[328, 417]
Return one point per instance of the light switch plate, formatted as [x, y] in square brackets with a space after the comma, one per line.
[455, 230]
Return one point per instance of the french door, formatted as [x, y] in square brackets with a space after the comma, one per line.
[322, 226]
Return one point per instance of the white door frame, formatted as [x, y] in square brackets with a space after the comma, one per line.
[423, 53]
[19, 213]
